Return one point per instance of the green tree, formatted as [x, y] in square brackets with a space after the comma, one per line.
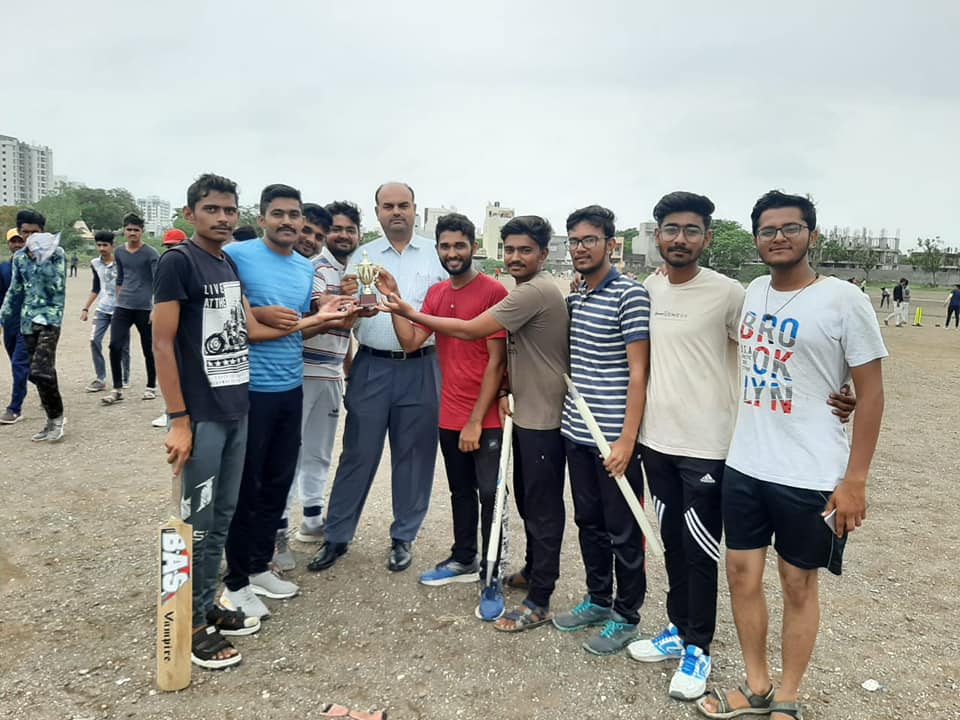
[180, 223]
[865, 259]
[249, 214]
[8, 218]
[832, 250]
[61, 209]
[369, 236]
[930, 258]
[104, 209]
[628, 235]
[732, 246]
[70, 239]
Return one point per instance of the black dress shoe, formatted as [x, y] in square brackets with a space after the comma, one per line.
[327, 555]
[400, 556]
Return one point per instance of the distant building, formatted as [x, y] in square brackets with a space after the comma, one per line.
[431, 216]
[494, 219]
[885, 248]
[84, 232]
[26, 171]
[643, 249]
[156, 214]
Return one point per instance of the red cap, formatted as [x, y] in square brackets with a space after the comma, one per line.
[174, 237]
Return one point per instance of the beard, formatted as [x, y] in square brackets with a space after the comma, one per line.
[465, 267]
[685, 260]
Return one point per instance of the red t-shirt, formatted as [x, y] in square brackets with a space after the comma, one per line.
[463, 362]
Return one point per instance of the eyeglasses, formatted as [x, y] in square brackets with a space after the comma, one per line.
[589, 242]
[790, 230]
[690, 232]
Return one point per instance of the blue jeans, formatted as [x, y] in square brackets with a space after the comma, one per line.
[101, 323]
[19, 364]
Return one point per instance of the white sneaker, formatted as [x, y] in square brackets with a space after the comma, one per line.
[271, 585]
[666, 646]
[160, 422]
[244, 599]
[690, 680]
[310, 533]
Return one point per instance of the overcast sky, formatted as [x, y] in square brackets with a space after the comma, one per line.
[545, 105]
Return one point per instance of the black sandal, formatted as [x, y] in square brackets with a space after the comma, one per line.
[793, 709]
[207, 643]
[758, 704]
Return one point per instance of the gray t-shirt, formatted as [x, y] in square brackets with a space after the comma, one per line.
[135, 271]
[535, 316]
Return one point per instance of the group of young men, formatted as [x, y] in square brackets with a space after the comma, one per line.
[732, 401]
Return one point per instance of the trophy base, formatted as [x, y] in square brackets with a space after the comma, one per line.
[368, 300]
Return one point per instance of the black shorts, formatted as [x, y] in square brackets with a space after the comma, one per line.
[754, 511]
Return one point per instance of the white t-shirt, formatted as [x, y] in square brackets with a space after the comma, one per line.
[692, 389]
[790, 361]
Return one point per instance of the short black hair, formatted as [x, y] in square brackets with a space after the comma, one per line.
[343, 207]
[278, 190]
[245, 232]
[777, 199]
[208, 183]
[103, 236]
[132, 219]
[595, 215]
[533, 226]
[455, 222]
[30, 217]
[317, 214]
[904, 281]
[376, 195]
[681, 201]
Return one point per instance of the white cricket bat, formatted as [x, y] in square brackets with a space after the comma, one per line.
[496, 527]
[653, 541]
[175, 601]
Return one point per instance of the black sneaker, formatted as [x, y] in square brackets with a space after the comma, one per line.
[232, 622]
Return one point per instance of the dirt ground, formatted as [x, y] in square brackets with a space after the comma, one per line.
[77, 586]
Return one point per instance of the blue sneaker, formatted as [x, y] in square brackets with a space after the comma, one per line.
[586, 614]
[668, 645]
[614, 637]
[491, 605]
[451, 571]
[690, 680]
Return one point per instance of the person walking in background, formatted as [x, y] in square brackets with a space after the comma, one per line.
[38, 293]
[104, 292]
[897, 303]
[13, 338]
[136, 268]
[74, 263]
[953, 307]
[884, 297]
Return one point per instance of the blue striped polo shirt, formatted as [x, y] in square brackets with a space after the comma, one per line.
[603, 321]
[270, 278]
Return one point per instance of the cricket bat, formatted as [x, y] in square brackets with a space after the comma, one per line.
[175, 600]
[496, 527]
[653, 542]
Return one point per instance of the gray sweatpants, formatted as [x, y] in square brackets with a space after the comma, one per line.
[211, 482]
[321, 414]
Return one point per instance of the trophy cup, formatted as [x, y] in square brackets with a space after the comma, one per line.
[367, 275]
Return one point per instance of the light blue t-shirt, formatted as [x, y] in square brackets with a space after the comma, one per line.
[270, 278]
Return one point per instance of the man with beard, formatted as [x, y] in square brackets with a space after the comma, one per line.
[389, 391]
[337, 230]
[470, 430]
[792, 477]
[535, 316]
[609, 361]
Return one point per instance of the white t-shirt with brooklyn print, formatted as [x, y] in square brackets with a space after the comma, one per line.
[795, 349]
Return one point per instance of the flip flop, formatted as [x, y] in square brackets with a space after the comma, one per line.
[334, 710]
[375, 715]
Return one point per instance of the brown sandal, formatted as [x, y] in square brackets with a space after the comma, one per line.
[334, 710]
[523, 618]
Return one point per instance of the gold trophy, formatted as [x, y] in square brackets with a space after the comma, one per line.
[367, 273]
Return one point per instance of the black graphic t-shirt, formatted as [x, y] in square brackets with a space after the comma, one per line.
[211, 345]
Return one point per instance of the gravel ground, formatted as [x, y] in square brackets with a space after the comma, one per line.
[77, 595]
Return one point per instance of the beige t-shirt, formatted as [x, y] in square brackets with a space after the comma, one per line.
[692, 390]
[535, 316]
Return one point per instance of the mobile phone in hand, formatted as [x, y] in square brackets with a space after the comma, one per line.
[831, 520]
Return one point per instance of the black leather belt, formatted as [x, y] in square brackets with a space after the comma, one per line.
[398, 355]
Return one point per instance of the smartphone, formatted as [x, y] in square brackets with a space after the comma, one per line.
[831, 520]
